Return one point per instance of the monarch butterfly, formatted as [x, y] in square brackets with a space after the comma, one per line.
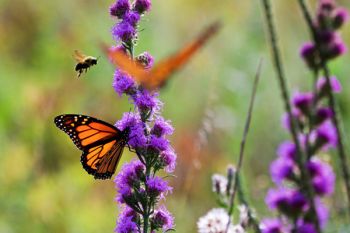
[84, 62]
[102, 144]
[157, 77]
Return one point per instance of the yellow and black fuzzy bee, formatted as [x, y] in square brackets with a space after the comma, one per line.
[84, 62]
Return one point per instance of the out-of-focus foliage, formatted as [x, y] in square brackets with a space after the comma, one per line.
[43, 186]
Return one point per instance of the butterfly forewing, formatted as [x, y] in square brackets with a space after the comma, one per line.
[102, 144]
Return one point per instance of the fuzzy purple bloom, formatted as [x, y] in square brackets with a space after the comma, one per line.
[162, 127]
[323, 88]
[119, 8]
[323, 114]
[123, 83]
[286, 150]
[336, 49]
[168, 158]
[162, 218]
[280, 169]
[145, 101]
[303, 101]
[158, 143]
[340, 18]
[126, 222]
[286, 120]
[132, 18]
[141, 6]
[272, 225]
[322, 213]
[323, 177]
[123, 31]
[308, 53]
[306, 228]
[326, 136]
[157, 186]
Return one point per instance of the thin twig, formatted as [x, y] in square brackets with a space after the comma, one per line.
[332, 102]
[305, 176]
[241, 151]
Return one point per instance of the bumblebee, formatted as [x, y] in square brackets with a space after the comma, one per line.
[84, 62]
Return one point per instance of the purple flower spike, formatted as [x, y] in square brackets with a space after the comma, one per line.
[157, 186]
[128, 120]
[119, 8]
[323, 177]
[145, 101]
[123, 31]
[158, 144]
[162, 219]
[127, 221]
[340, 18]
[141, 6]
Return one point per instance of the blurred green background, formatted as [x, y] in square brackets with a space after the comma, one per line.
[43, 187]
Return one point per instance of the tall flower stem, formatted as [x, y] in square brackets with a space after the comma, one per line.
[300, 158]
[242, 146]
[332, 102]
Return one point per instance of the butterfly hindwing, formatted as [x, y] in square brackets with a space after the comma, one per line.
[102, 143]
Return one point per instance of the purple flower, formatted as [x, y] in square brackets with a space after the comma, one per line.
[272, 225]
[286, 121]
[306, 228]
[157, 186]
[127, 221]
[286, 150]
[130, 174]
[145, 101]
[288, 201]
[158, 144]
[340, 18]
[336, 49]
[162, 219]
[119, 8]
[128, 120]
[162, 127]
[123, 31]
[145, 59]
[322, 212]
[323, 177]
[308, 53]
[132, 18]
[141, 6]
[323, 88]
[281, 169]
[123, 83]
[323, 114]
[168, 158]
[303, 101]
[326, 136]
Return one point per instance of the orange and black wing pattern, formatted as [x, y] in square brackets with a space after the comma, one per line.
[102, 143]
[157, 77]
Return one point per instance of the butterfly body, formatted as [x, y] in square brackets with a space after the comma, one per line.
[102, 144]
[84, 62]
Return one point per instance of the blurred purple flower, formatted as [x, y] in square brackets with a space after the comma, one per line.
[132, 18]
[119, 8]
[123, 31]
[162, 218]
[157, 187]
[145, 59]
[123, 83]
[326, 136]
[162, 127]
[287, 150]
[141, 6]
[127, 221]
[168, 158]
[303, 101]
[323, 177]
[280, 169]
[272, 225]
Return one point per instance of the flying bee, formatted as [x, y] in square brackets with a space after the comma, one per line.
[84, 62]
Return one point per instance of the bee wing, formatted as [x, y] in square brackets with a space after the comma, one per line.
[165, 68]
[78, 56]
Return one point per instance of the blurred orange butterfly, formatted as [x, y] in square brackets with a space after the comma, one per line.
[102, 143]
[160, 73]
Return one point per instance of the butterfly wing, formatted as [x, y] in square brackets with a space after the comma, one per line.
[157, 77]
[163, 70]
[102, 144]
